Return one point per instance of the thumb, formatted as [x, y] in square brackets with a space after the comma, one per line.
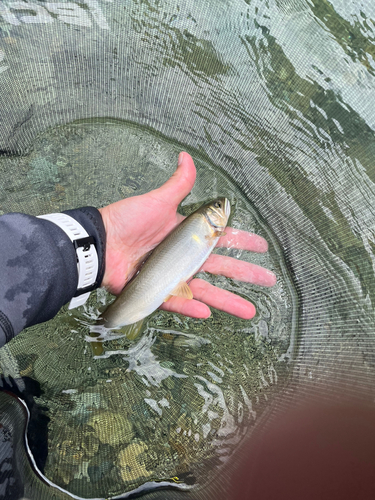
[182, 181]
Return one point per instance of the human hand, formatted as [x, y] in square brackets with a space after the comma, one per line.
[135, 225]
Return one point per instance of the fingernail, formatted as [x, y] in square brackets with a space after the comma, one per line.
[180, 158]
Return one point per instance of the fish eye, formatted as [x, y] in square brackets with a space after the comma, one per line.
[217, 204]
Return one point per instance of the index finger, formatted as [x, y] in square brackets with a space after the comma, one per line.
[236, 238]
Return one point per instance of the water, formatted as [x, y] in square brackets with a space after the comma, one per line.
[274, 100]
[186, 391]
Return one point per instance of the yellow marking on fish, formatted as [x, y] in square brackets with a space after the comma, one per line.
[196, 238]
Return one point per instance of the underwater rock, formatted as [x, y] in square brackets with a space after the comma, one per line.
[112, 428]
[85, 404]
[130, 466]
[97, 471]
[191, 443]
[68, 451]
[90, 444]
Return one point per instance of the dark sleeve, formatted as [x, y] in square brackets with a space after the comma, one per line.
[38, 267]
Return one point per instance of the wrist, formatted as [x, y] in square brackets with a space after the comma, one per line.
[91, 220]
[87, 233]
[116, 269]
[103, 214]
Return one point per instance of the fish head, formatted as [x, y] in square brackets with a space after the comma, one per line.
[217, 212]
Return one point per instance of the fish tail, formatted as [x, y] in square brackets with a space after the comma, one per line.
[132, 331]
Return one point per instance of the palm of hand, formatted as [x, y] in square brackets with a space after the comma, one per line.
[137, 225]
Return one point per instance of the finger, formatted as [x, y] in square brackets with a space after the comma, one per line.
[235, 238]
[192, 308]
[208, 295]
[239, 270]
[222, 299]
[181, 183]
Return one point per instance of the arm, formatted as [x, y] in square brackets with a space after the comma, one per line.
[38, 267]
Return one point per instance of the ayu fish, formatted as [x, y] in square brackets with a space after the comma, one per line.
[165, 273]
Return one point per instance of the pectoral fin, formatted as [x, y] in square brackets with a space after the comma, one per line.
[181, 290]
[219, 233]
[216, 234]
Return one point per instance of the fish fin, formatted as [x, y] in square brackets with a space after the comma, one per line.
[181, 290]
[132, 331]
[219, 233]
[216, 234]
[96, 346]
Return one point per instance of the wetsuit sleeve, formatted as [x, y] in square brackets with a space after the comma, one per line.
[38, 267]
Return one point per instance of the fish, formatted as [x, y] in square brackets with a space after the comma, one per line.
[171, 264]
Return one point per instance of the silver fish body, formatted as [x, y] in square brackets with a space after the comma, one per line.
[177, 258]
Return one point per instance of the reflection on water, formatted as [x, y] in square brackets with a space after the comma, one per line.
[275, 100]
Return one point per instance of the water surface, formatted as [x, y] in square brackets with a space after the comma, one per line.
[180, 393]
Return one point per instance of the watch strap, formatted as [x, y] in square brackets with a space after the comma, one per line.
[91, 219]
[87, 257]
